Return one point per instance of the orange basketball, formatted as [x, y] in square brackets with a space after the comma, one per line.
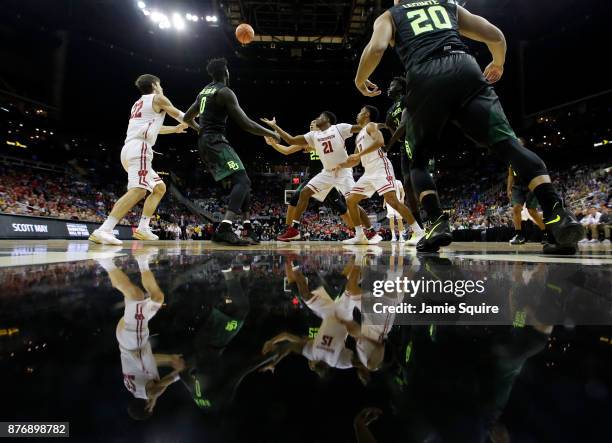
[245, 33]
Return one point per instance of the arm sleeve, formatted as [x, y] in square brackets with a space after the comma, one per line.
[345, 130]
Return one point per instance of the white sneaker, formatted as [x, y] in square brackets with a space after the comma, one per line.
[583, 241]
[415, 238]
[605, 242]
[357, 240]
[594, 241]
[375, 240]
[402, 237]
[104, 238]
[393, 238]
[145, 234]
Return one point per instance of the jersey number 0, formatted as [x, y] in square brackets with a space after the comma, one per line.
[425, 20]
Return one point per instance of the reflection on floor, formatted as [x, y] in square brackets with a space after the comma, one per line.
[185, 341]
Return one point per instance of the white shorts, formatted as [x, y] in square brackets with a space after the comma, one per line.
[324, 181]
[380, 181]
[136, 316]
[392, 213]
[136, 158]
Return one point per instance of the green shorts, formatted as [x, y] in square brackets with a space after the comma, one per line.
[219, 156]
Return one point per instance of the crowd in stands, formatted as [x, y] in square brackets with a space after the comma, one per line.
[475, 205]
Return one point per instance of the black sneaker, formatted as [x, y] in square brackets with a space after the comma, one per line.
[229, 238]
[545, 238]
[252, 239]
[555, 249]
[564, 227]
[518, 239]
[439, 235]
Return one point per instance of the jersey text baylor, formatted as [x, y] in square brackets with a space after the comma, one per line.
[214, 147]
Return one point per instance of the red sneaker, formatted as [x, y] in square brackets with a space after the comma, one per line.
[290, 234]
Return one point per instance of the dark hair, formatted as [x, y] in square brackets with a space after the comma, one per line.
[373, 111]
[144, 83]
[330, 116]
[216, 68]
[402, 81]
[137, 409]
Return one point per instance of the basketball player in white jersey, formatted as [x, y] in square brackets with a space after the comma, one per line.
[333, 199]
[138, 362]
[329, 143]
[393, 215]
[146, 122]
[378, 177]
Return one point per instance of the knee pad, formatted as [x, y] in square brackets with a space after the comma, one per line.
[525, 162]
[336, 201]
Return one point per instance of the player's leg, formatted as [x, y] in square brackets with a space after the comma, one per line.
[391, 199]
[149, 283]
[134, 161]
[143, 232]
[352, 203]
[518, 201]
[292, 220]
[392, 227]
[401, 233]
[483, 119]
[410, 197]
[247, 226]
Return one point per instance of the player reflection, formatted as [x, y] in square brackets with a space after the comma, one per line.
[328, 348]
[138, 362]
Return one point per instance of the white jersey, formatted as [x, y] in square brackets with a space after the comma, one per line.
[375, 161]
[145, 123]
[329, 144]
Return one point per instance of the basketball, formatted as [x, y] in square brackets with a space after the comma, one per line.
[245, 33]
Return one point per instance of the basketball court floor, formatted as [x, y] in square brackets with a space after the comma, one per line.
[196, 362]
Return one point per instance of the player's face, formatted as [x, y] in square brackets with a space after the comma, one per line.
[394, 89]
[362, 116]
[313, 125]
[321, 120]
[157, 88]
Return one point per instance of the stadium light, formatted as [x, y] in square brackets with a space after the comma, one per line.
[142, 5]
[177, 20]
[211, 18]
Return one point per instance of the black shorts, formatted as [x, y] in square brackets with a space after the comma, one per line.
[219, 156]
[451, 88]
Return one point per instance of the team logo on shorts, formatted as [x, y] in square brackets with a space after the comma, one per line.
[233, 165]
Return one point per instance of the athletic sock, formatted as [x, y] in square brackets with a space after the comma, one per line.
[143, 263]
[416, 228]
[359, 231]
[547, 197]
[144, 222]
[432, 206]
[295, 224]
[109, 224]
[108, 264]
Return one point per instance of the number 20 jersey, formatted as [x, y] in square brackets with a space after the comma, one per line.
[425, 27]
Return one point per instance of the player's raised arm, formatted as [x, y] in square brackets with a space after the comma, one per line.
[287, 138]
[399, 132]
[228, 99]
[372, 54]
[162, 102]
[477, 28]
[286, 150]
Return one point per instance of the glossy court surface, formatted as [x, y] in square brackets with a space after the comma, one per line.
[181, 333]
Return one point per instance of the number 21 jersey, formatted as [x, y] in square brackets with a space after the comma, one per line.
[329, 144]
[424, 27]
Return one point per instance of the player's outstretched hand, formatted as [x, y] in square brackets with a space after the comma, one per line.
[493, 73]
[180, 128]
[271, 123]
[270, 141]
[368, 88]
